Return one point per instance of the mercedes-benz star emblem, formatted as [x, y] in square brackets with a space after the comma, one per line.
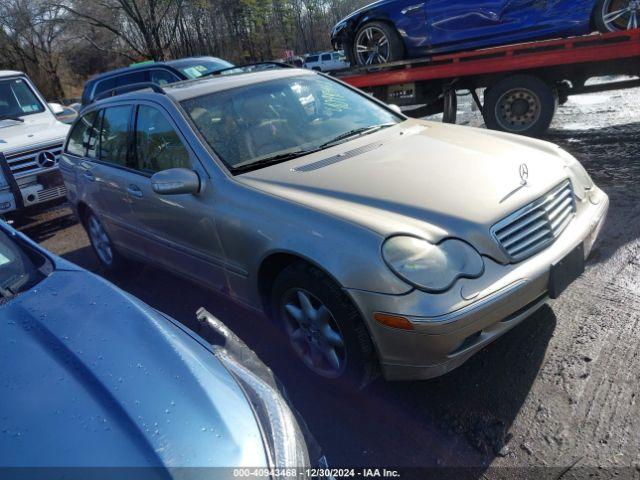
[524, 173]
[46, 159]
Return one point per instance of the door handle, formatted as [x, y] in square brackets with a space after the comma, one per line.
[88, 174]
[134, 191]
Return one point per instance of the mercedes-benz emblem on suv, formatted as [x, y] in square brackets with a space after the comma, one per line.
[46, 159]
[524, 173]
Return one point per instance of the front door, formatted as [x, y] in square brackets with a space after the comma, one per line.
[176, 231]
[468, 24]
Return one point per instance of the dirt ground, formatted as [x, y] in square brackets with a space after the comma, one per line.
[557, 397]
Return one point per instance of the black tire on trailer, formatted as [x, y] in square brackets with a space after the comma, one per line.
[522, 104]
[382, 41]
[615, 15]
[450, 113]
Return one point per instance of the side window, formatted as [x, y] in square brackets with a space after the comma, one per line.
[335, 56]
[312, 59]
[131, 78]
[326, 57]
[158, 146]
[104, 85]
[114, 135]
[79, 137]
[162, 77]
[94, 135]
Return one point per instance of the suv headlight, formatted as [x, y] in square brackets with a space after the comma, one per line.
[433, 268]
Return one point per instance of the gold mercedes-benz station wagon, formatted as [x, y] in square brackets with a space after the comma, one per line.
[376, 242]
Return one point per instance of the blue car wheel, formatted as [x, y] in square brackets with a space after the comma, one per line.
[375, 43]
[615, 15]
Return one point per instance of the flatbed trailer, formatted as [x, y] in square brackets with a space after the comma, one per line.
[524, 83]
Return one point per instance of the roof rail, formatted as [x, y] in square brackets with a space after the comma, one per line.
[251, 67]
[129, 88]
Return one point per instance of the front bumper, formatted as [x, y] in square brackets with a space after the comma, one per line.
[449, 328]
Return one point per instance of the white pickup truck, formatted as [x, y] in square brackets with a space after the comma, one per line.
[31, 141]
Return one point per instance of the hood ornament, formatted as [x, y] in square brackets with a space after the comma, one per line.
[523, 170]
[524, 174]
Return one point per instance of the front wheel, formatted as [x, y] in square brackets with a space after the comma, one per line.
[521, 104]
[616, 15]
[375, 43]
[324, 328]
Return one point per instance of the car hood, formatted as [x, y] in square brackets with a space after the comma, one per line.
[421, 178]
[93, 377]
[41, 128]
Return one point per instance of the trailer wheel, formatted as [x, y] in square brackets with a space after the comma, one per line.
[521, 104]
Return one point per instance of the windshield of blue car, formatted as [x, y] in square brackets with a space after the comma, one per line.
[17, 99]
[251, 126]
[201, 67]
[19, 267]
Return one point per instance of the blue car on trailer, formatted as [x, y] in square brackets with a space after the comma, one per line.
[392, 30]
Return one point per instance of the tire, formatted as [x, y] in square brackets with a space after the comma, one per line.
[101, 243]
[357, 358]
[521, 104]
[625, 21]
[384, 43]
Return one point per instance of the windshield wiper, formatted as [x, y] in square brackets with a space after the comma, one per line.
[356, 132]
[11, 117]
[279, 158]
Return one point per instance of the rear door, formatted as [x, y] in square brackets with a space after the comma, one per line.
[175, 231]
[105, 171]
[469, 24]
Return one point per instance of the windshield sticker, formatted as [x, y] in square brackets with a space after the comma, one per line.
[4, 260]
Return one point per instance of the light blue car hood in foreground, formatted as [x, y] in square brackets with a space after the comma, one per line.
[92, 377]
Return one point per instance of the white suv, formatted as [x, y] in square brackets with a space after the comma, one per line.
[31, 140]
[326, 62]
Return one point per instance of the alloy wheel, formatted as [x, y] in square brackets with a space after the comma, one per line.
[518, 109]
[100, 241]
[314, 333]
[621, 14]
[372, 46]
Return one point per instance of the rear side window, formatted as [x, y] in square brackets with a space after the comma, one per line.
[131, 78]
[114, 135]
[103, 86]
[162, 77]
[94, 136]
[312, 58]
[158, 145]
[326, 57]
[80, 135]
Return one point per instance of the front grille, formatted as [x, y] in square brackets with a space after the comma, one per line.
[24, 163]
[51, 193]
[537, 225]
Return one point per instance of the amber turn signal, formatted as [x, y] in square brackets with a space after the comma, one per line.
[393, 321]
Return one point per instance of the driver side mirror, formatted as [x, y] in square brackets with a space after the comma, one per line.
[176, 181]
[56, 108]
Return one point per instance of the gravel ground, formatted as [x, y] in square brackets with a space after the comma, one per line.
[558, 393]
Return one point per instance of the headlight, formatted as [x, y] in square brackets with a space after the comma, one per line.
[433, 268]
[284, 441]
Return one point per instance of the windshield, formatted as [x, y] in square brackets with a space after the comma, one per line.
[280, 119]
[201, 67]
[18, 270]
[17, 99]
